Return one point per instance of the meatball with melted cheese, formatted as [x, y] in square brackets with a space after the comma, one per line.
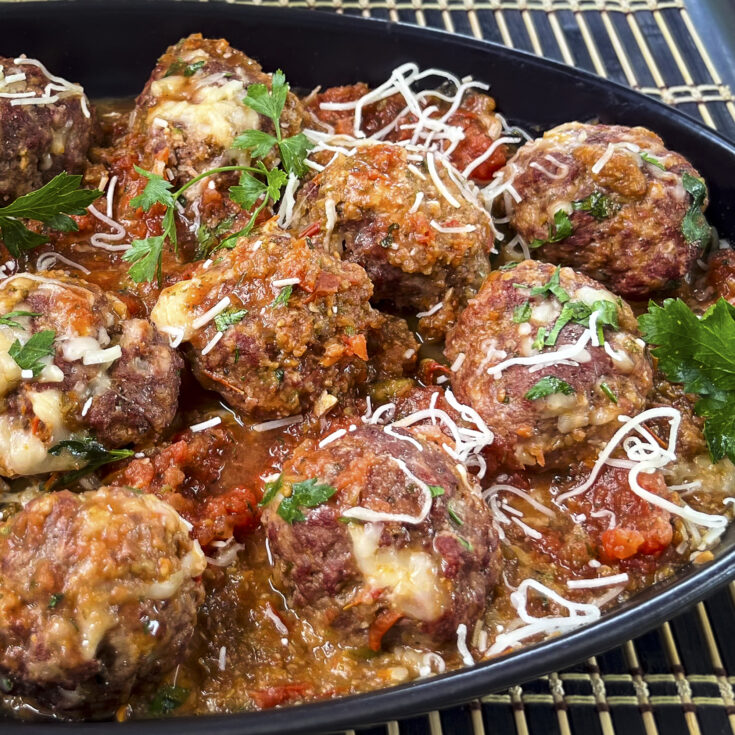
[74, 367]
[422, 241]
[191, 109]
[609, 201]
[381, 537]
[279, 328]
[39, 140]
[98, 594]
[549, 359]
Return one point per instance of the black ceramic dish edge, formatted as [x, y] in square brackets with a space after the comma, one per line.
[613, 103]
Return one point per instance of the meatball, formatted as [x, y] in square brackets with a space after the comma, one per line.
[98, 594]
[623, 194]
[73, 367]
[380, 536]
[191, 109]
[39, 139]
[275, 326]
[525, 358]
[425, 247]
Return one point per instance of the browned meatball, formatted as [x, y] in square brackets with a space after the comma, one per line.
[98, 594]
[39, 139]
[622, 192]
[96, 374]
[381, 537]
[423, 249]
[555, 411]
[292, 330]
[190, 111]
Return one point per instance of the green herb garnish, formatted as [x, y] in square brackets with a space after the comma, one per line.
[307, 494]
[607, 390]
[559, 230]
[648, 158]
[52, 205]
[7, 320]
[387, 241]
[283, 296]
[596, 204]
[522, 313]
[90, 451]
[271, 490]
[455, 516]
[548, 386]
[436, 491]
[167, 699]
[699, 354]
[694, 226]
[29, 355]
[54, 600]
[229, 317]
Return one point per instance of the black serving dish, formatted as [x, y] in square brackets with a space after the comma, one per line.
[111, 46]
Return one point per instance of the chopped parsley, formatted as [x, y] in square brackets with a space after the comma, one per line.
[167, 699]
[52, 205]
[467, 545]
[29, 355]
[181, 67]
[55, 599]
[283, 296]
[580, 313]
[596, 204]
[608, 391]
[387, 241]
[7, 320]
[540, 339]
[699, 354]
[559, 230]
[694, 226]
[271, 490]
[648, 158]
[522, 313]
[455, 516]
[229, 317]
[551, 287]
[306, 494]
[91, 452]
[436, 491]
[509, 266]
[548, 386]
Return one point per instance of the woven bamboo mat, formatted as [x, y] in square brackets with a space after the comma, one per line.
[675, 680]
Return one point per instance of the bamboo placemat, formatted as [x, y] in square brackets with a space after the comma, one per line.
[674, 680]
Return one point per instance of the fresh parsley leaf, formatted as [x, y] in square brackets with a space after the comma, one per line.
[167, 699]
[145, 255]
[699, 354]
[271, 490]
[694, 226]
[509, 266]
[307, 494]
[607, 390]
[539, 340]
[268, 102]
[548, 386]
[54, 600]
[229, 317]
[293, 152]
[258, 142]
[29, 355]
[551, 287]
[455, 516]
[194, 67]
[157, 191]
[436, 491]
[467, 545]
[91, 452]
[283, 296]
[7, 320]
[52, 204]
[522, 312]
[596, 204]
[648, 158]
[559, 230]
